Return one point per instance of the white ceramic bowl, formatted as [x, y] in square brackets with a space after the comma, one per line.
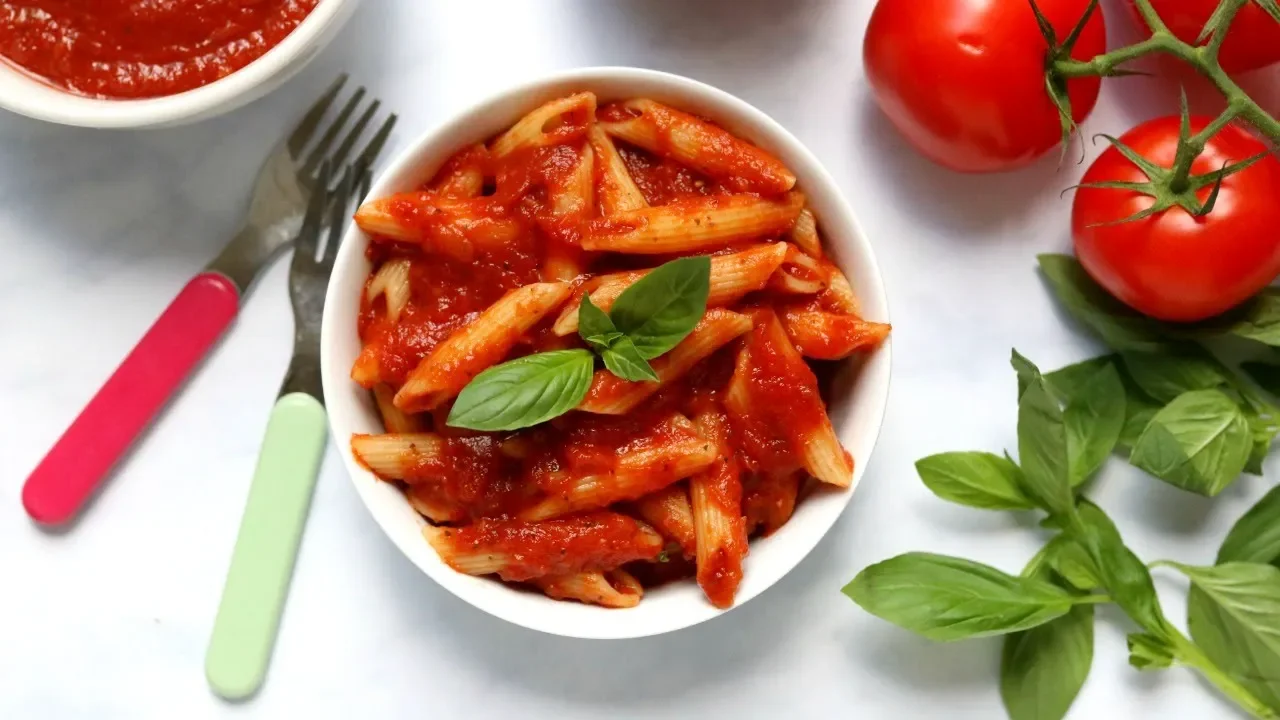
[27, 95]
[857, 412]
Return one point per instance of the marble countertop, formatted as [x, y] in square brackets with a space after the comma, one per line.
[100, 230]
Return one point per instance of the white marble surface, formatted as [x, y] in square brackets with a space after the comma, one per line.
[99, 230]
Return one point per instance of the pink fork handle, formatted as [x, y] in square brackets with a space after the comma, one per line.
[59, 486]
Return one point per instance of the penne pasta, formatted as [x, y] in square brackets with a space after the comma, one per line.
[800, 274]
[720, 530]
[669, 512]
[453, 227]
[477, 346]
[552, 123]
[828, 336]
[617, 589]
[367, 370]
[611, 395]
[839, 294]
[519, 551]
[398, 456]
[694, 224]
[635, 474]
[431, 503]
[464, 175]
[733, 275]
[393, 418]
[805, 234]
[616, 190]
[769, 500]
[573, 195]
[666, 131]
[391, 282]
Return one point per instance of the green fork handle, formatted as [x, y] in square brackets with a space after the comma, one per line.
[253, 598]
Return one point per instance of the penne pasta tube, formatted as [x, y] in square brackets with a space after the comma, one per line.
[453, 227]
[611, 395]
[616, 189]
[828, 336]
[480, 344]
[839, 293]
[799, 274]
[399, 456]
[391, 282]
[693, 224]
[431, 503]
[805, 234]
[669, 512]
[594, 588]
[699, 144]
[551, 123]
[519, 551]
[636, 474]
[393, 418]
[769, 500]
[464, 174]
[720, 531]
[733, 275]
[573, 195]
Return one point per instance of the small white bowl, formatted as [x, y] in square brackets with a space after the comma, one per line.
[27, 95]
[857, 412]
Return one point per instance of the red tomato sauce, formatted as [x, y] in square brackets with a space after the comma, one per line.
[130, 49]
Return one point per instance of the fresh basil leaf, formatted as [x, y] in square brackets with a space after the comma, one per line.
[1138, 411]
[600, 343]
[1233, 612]
[1042, 669]
[1148, 652]
[1026, 370]
[1042, 442]
[1255, 538]
[1139, 408]
[594, 326]
[524, 392]
[976, 479]
[1263, 430]
[1117, 325]
[1259, 319]
[662, 308]
[1094, 417]
[624, 360]
[1165, 376]
[1067, 381]
[945, 598]
[1073, 564]
[1123, 575]
[1200, 442]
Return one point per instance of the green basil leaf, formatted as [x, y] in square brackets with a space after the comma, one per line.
[1123, 575]
[1139, 408]
[1117, 325]
[1094, 417]
[1166, 376]
[1026, 370]
[1138, 412]
[524, 392]
[1233, 612]
[594, 326]
[945, 598]
[1067, 381]
[662, 308]
[1255, 538]
[1073, 564]
[976, 479]
[1200, 442]
[1259, 319]
[1148, 652]
[1042, 442]
[1042, 669]
[624, 360]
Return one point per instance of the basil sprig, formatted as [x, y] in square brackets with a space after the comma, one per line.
[1046, 614]
[648, 319]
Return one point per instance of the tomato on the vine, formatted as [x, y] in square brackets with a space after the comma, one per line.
[1252, 42]
[964, 80]
[1173, 265]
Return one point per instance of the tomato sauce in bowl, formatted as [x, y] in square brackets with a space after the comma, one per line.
[131, 49]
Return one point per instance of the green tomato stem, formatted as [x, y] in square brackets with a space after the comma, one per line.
[1203, 58]
[1190, 655]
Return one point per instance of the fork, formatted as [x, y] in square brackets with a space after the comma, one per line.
[262, 562]
[107, 427]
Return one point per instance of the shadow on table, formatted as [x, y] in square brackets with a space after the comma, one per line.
[653, 671]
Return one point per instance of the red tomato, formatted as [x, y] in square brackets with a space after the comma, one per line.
[1173, 265]
[964, 80]
[1253, 41]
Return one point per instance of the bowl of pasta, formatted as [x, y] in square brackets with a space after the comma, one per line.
[605, 354]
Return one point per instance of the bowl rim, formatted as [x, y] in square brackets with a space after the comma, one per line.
[409, 162]
[221, 95]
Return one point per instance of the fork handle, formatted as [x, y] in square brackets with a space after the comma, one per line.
[82, 458]
[253, 597]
